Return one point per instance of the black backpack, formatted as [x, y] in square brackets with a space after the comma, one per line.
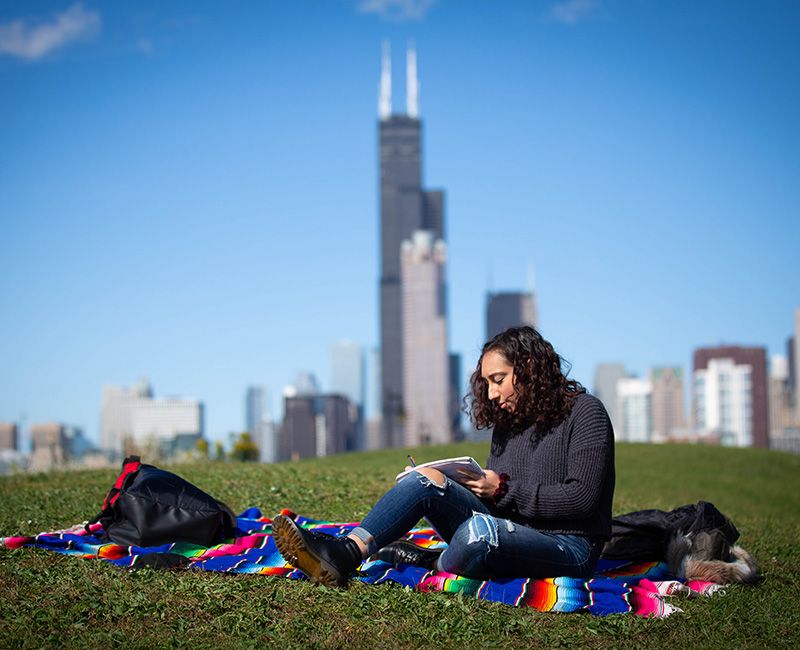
[148, 506]
[646, 534]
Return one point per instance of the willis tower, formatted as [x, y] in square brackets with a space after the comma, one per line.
[405, 207]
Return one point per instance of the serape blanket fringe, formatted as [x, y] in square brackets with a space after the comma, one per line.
[617, 588]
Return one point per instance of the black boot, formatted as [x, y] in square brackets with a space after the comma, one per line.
[403, 552]
[324, 559]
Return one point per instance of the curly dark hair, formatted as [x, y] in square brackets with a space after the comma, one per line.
[544, 395]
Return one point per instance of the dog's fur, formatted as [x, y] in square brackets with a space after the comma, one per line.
[708, 556]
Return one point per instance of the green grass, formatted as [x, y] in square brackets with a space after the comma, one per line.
[50, 600]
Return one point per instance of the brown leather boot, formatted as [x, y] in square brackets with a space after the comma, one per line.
[325, 559]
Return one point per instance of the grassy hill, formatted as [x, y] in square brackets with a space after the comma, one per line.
[51, 601]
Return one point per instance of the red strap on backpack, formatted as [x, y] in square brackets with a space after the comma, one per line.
[130, 466]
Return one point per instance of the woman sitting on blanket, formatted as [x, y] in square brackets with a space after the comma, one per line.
[542, 507]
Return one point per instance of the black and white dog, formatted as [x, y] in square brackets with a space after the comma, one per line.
[708, 556]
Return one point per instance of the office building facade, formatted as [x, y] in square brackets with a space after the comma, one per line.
[506, 309]
[426, 364]
[132, 420]
[373, 425]
[405, 207]
[348, 378]
[457, 392]
[255, 409]
[729, 395]
[317, 425]
[259, 423]
[9, 436]
[634, 410]
[347, 371]
[667, 400]
[49, 447]
[795, 366]
[116, 416]
[781, 414]
[169, 424]
[606, 376]
[298, 430]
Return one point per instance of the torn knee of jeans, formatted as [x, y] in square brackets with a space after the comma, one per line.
[482, 528]
[427, 481]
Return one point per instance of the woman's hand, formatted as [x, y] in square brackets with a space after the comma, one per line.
[482, 486]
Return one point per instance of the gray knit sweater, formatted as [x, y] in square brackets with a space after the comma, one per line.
[561, 481]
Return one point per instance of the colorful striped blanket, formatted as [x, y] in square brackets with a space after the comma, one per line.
[617, 588]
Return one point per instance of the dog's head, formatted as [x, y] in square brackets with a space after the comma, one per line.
[710, 546]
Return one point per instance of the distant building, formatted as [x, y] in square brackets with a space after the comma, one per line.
[116, 417]
[9, 436]
[347, 378]
[509, 309]
[267, 441]
[457, 391]
[78, 446]
[373, 429]
[426, 371]
[789, 441]
[347, 371]
[132, 420]
[298, 438]
[795, 375]
[405, 207]
[317, 425]
[255, 408]
[606, 376]
[297, 435]
[49, 447]
[634, 410]
[667, 402]
[260, 425]
[304, 384]
[170, 424]
[729, 395]
[781, 414]
[337, 420]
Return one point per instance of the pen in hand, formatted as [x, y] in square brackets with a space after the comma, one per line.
[411, 460]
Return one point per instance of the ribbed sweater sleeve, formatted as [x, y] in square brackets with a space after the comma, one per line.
[562, 480]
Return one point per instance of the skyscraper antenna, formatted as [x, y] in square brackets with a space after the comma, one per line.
[531, 278]
[385, 97]
[412, 85]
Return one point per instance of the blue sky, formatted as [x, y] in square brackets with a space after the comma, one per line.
[188, 190]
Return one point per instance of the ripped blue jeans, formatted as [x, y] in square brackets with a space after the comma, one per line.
[479, 544]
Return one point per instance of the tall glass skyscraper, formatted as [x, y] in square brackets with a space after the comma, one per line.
[405, 207]
[254, 409]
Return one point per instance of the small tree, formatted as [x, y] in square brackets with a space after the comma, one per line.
[219, 451]
[202, 448]
[149, 449]
[245, 449]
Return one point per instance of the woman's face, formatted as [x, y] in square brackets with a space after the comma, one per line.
[499, 375]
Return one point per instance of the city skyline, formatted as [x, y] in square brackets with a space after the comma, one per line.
[182, 188]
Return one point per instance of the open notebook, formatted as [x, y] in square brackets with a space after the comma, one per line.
[455, 468]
